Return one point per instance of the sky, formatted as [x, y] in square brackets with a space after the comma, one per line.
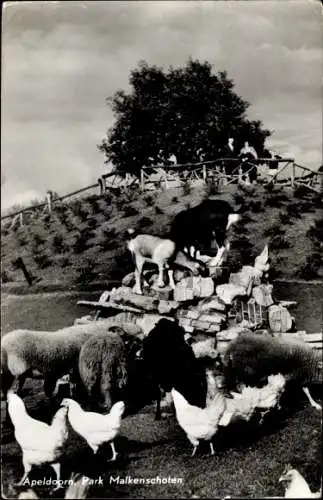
[61, 60]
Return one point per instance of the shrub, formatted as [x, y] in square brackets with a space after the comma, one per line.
[5, 276]
[130, 211]
[144, 222]
[300, 192]
[42, 260]
[312, 266]
[256, 206]
[212, 188]
[187, 188]
[284, 218]
[149, 200]
[37, 239]
[274, 230]
[85, 272]
[315, 233]
[293, 210]
[278, 241]
[158, 210]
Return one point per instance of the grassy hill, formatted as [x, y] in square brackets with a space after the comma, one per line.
[82, 242]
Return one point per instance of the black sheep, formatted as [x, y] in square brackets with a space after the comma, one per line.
[251, 358]
[172, 363]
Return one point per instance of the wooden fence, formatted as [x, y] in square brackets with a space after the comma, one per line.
[288, 173]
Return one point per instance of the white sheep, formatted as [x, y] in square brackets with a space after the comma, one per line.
[52, 353]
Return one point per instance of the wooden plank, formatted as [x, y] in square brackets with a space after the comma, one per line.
[109, 305]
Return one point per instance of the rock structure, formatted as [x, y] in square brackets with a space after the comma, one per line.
[200, 305]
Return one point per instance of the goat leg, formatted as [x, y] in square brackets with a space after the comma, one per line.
[160, 282]
[171, 279]
[311, 400]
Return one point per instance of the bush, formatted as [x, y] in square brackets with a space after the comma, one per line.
[279, 242]
[274, 230]
[211, 188]
[85, 272]
[293, 210]
[284, 218]
[130, 211]
[42, 260]
[144, 222]
[256, 206]
[158, 210]
[312, 267]
[187, 188]
[149, 200]
[58, 243]
[5, 276]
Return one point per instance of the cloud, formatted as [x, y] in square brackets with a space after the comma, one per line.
[62, 59]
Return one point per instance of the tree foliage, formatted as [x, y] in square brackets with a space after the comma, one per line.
[189, 112]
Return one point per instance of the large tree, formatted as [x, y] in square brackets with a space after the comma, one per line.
[190, 112]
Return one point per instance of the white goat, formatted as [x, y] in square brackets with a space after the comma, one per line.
[148, 248]
[162, 252]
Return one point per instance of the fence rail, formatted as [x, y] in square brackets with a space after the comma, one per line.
[189, 172]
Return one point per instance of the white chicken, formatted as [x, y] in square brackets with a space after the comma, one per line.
[244, 404]
[40, 443]
[95, 428]
[296, 486]
[199, 423]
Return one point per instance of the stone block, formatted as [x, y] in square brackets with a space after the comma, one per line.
[200, 325]
[128, 280]
[125, 295]
[228, 292]
[182, 293]
[167, 306]
[212, 318]
[212, 304]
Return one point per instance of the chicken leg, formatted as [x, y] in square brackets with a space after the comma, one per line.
[27, 469]
[57, 469]
[114, 453]
[195, 443]
[211, 448]
[311, 400]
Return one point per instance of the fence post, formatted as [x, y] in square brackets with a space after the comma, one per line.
[102, 185]
[21, 218]
[204, 173]
[142, 179]
[49, 197]
[292, 177]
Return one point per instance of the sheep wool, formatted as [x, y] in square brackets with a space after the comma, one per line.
[254, 357]
[49, 352]
[103, 369]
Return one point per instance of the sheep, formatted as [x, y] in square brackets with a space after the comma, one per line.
[160, 251]
[197, 227]
[251, 358]
[103, 370]
[52, 353]
[172, 363]
[111, 369]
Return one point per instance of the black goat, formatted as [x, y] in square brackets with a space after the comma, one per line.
[199, 226]
[172, 363]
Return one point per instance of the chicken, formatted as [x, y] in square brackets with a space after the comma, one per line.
[296, 485]
[199, 423]
[244, 404]
[95, 428]
[40, 443]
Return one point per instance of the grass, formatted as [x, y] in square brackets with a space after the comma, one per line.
[247, 463]
[94, 227]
